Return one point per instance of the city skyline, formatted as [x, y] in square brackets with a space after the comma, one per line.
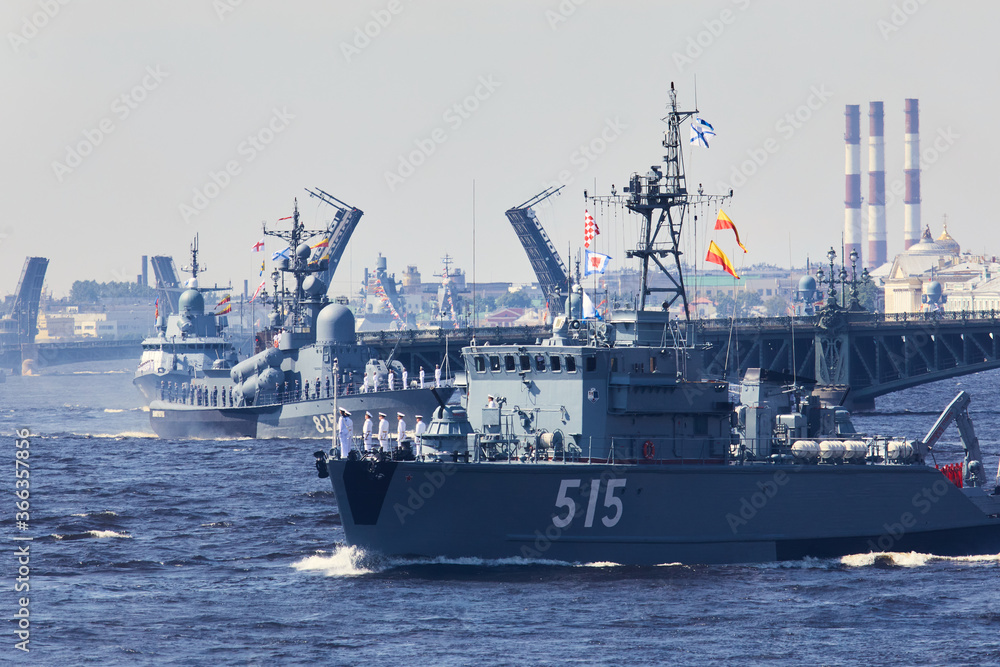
[131, 129]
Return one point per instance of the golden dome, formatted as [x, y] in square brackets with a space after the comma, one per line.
[947, 241]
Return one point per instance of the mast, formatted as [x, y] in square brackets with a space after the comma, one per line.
[297, 263]
[663, 189]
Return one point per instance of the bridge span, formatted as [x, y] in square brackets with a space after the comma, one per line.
[871, 353]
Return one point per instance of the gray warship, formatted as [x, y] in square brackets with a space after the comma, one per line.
[306, 361]
[187, 342]
[608, 442]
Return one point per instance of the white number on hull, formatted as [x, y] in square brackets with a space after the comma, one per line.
[324, 423]
[611, 501]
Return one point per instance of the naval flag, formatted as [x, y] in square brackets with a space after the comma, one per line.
[594, 262]
[701, 132]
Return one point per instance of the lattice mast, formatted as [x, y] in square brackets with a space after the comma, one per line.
[663, 189]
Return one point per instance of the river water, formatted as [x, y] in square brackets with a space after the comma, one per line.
[149, 551]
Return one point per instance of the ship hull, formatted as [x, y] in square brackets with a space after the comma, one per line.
[652, 514]
[314, 418]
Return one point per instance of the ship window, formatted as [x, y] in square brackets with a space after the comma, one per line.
[570, 364]
[591, 364]
[614, 364]
[525, 363]
[554, 363]
[494, 362]
[508, 362]
[480, 364]
[539, 363]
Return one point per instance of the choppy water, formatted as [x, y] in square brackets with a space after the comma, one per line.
[230, 552]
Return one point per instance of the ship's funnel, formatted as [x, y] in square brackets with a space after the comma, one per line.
[911, 166]
[876, 185]
[852, 172]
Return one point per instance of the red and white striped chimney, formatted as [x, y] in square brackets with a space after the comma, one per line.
[876, 185]
[852, 174]
[911, 166]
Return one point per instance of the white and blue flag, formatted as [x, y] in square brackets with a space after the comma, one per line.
[701, 131]
[281, 254]
[594, 262]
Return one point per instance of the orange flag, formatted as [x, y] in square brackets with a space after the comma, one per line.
[716, 256]
[723, 222]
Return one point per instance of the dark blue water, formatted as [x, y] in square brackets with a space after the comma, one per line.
[228, 552]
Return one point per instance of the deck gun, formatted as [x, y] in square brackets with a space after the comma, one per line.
[973, 473]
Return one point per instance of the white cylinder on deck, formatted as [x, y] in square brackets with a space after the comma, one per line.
[831, 450]
[805, 449]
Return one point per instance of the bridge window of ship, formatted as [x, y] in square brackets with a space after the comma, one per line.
[480, 363]
[508, 362]
[494, 362]
[590, 364]
[554, 363]
[570, 364]
[525, 362]
[540, 363]
[614, 364]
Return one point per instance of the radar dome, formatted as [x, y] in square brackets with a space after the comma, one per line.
[303, 251]
[933, 288]
[807, 284]
[313, 286]
[191, 301]
[335, 325]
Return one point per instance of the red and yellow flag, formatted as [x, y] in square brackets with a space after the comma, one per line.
[724, 222]
[716, 256]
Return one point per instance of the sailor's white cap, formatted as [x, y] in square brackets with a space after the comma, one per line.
[367, 414]
[381, 414]
[418, 416]
[400, 414]
[345, 412]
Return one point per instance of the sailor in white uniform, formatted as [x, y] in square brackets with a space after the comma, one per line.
[406, 379]
[400, 429]
[392, 380]
[418, 435]
[366, 431]
[421, 377]
[437, 375]
[383, 432]
[345, 427]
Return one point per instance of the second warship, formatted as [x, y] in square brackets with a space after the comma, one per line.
[306, 360]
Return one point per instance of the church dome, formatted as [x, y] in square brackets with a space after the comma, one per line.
[927, 246]
[946, 241]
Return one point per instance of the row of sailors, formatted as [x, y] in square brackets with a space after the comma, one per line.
[200, 395]
[177, 392]
[345, 432]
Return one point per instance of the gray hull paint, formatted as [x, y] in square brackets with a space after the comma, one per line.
[687, 514]
[313, 418]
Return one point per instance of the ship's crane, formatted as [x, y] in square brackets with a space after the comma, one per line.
[958, 411]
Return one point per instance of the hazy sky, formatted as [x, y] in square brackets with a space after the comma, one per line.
[118, 113]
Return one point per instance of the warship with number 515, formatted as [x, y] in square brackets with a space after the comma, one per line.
[608, 442]
[307, 359]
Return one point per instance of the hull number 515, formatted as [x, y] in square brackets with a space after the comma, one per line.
[612, 509]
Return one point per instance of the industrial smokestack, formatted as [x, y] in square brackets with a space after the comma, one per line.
[145, 273]
[911, 166]
[852, 171]
[876, 185]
